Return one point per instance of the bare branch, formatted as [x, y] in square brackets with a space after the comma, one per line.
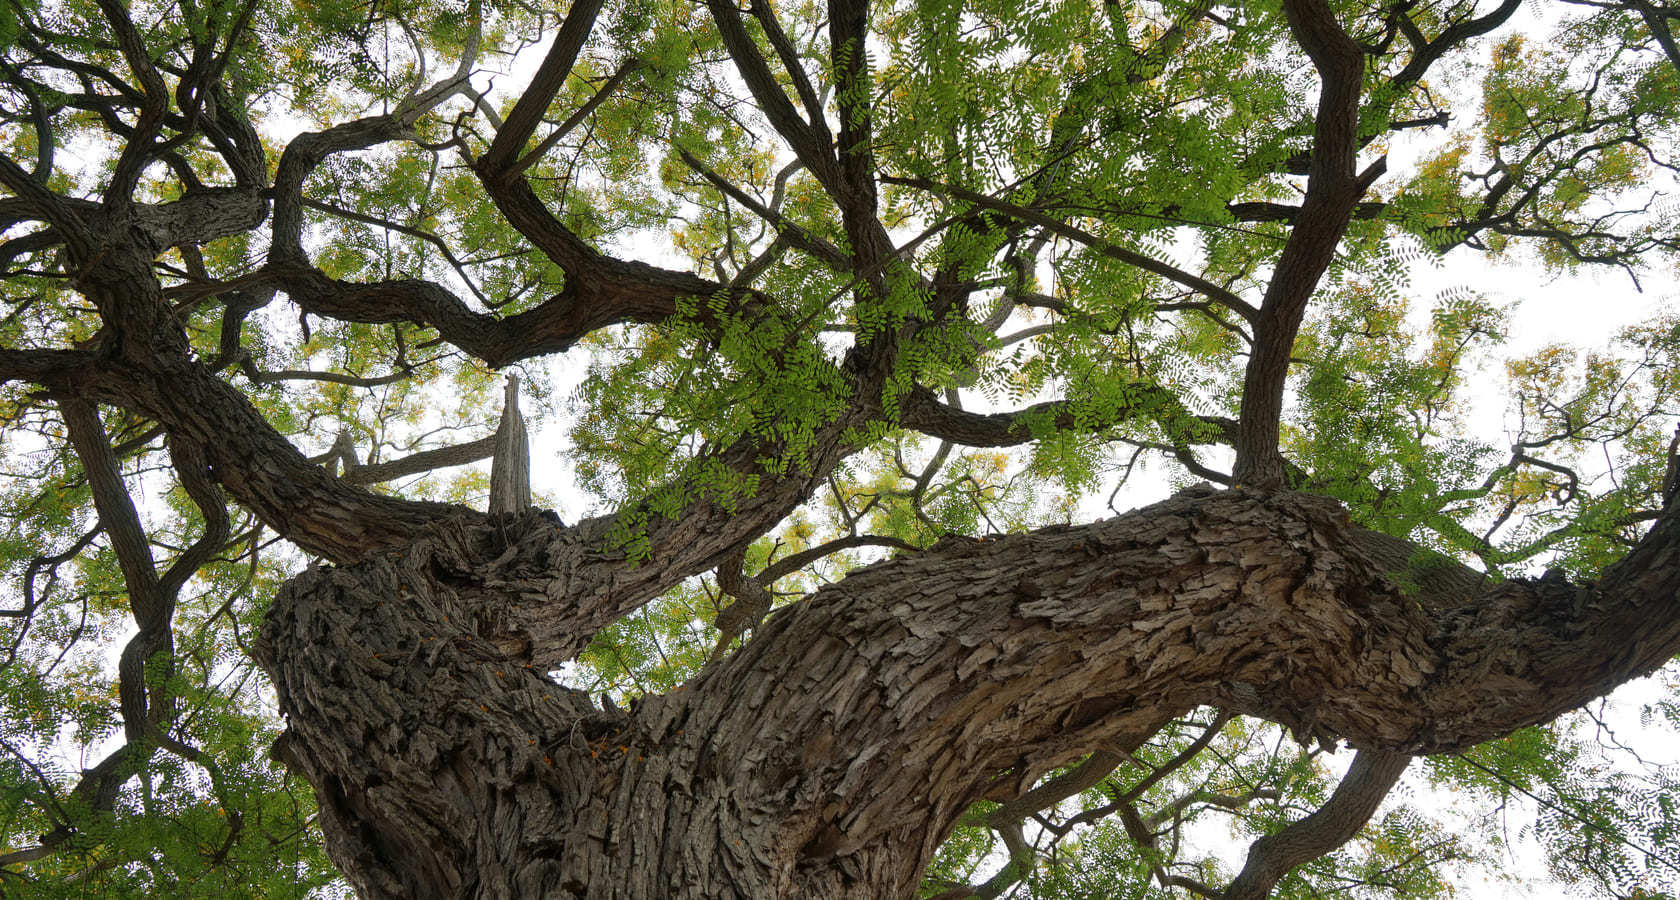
[422, 462]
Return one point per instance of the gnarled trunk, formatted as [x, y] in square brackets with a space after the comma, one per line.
[447, 765]
[830, 755]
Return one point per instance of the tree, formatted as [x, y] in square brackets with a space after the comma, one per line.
[240, 233]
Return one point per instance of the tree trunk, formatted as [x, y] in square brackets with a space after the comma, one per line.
[446, 765]
[831, 754]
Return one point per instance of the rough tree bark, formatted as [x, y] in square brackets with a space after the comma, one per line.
[830, 755]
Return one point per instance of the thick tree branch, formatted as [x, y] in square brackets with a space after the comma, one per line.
[795, 67]
[1656, 19]
[150, 600]
[116, 511]
[138, 150]
[552, 326]
[261, 469]
[193, 469]
[527, 113]
[1435, 668]
[200, 216]
[43, 366]
[48, 206]
[307, 151]
[854, 191]
[145, 696]
[1333, 190]
[940, 674]
[809, 142]
[577, 117]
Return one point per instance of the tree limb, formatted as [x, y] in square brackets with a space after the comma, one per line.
[1332, 825]
[1333, 190]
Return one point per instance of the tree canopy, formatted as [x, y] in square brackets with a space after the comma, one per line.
[853, 316]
